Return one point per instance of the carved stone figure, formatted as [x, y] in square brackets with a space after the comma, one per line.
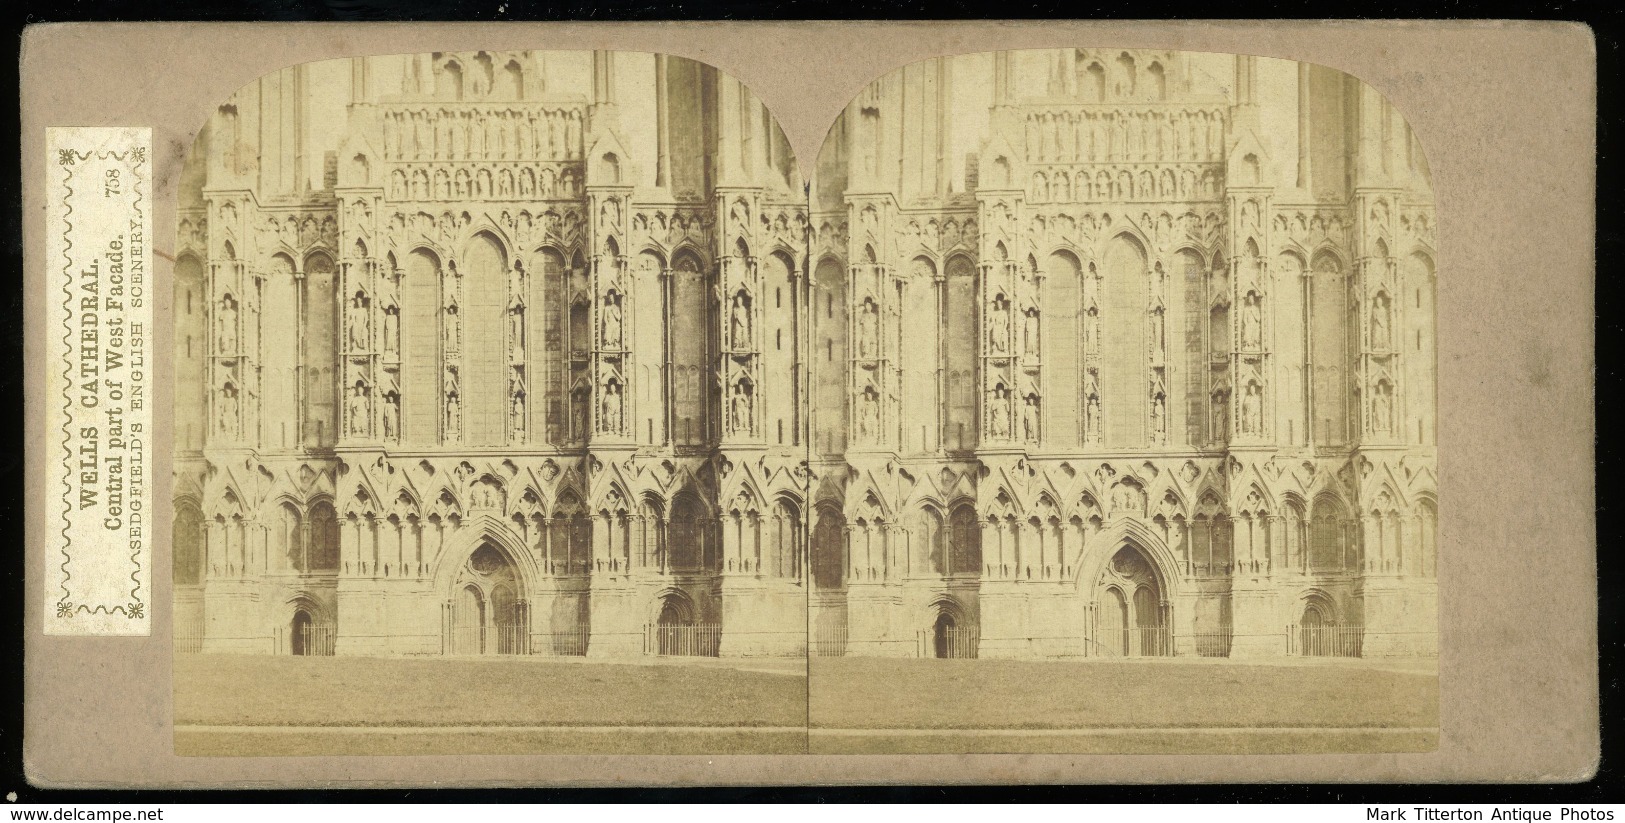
[999, 425]
[1221, 417]
[1159, 416]
[868, 414]
[392, 329]
[1091, 329]
[454, 416]
[357, 409]
[612, 321]
[1029, 418]
[1029, 333]
[612, 407]
[739, 322]
[1157, 326]
[868, 329]
[1384, 408]
[999, 329]
[516, 407]
[227, 421]
[392, 416]
[227, 322]
[1380, 337]
[359, 322]
[516, 330]
[741, 408]
[1252, 409]
[1252, 325]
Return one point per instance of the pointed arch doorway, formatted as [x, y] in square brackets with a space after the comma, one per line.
[488, 612]
[1129, 610]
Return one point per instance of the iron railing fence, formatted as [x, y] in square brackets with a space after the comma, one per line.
[1325, 641]
[681, 641]
[957, 643]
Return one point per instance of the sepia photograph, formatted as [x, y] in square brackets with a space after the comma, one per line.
[489, 423]
[1122, 411]
[1080, 400]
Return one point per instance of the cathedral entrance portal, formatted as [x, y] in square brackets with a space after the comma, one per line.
[1129, 615]
[488, 615]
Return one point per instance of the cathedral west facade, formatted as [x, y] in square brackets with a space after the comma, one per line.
[1067, 354]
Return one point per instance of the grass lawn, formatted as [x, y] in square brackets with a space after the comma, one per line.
[249, 690]
[872, 693]
[261, 705]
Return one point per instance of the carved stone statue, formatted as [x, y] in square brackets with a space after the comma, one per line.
[1380, 337]
[1091, 429]
[227, 321]
[227, 421]
[1159, 416]
[359, 322]
[1252, 409]
[1091, 329]
[1029, 333]
[1221, 417]
[612, 321]
[739, 323]
[612, 407]
[578, 412]
[999, 328]
[868, 329]
[741, 408]
[516, 330]
[392, 329]
[999, 425]
[868, 414]
[357, 409]
[392, 416]
[1252, 324]
[1384, 408]
[454, 416]
[516, 407]
[1029, 418]
[1157, 317]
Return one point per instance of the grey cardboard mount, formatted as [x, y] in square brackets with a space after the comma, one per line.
[1506, 112]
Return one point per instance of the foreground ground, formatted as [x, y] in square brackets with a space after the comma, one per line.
[1141, 706]
[248, 705]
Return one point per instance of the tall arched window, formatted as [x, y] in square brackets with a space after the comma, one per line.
[922, 329]
[279, 357]
[484, 363]
[829, 548]
[649, 347]
[549, 358]
[961, 331]
[780, 312]
[1290, 328]
[320, 342]
[687, 538]
[1329, 352]
[1125, 380]
[290, 538]
[1187, 350]
[323, 549]
[187, 540]
[829, 357]
[420, 344]
[1328, 535]
[1419, 350]
[691, 336]
[1061, 350]
[931, 555]
[964, 541]
[191, 351]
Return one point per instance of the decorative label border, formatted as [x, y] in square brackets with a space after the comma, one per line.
[99, 417]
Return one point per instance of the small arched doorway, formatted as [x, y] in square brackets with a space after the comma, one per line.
[676, 632]
[1313, 639]
[1130, 617]
[468, 621]
[943, 635]
[299, 633]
